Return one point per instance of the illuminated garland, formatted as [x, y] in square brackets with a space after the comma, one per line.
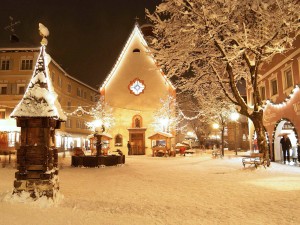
[189, 118]
[291, 95]
[276, 125]
[80, 112]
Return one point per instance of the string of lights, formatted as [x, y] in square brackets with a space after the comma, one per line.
[189, 118]
[80, 111]
[279, 105]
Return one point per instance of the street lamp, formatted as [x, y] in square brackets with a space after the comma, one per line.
[234, 117]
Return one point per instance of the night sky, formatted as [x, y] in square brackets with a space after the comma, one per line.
[86, 36]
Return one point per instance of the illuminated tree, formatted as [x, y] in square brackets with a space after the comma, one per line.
[200, 114]
[212, 44]
[165, 118]
[103, 117]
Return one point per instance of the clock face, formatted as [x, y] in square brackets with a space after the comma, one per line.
[136, 86]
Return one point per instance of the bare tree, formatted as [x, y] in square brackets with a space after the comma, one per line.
[220, 42]
[217, 110]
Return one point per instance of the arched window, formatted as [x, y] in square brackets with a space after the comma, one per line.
[136, 50]
[137, 121]
[118, 140]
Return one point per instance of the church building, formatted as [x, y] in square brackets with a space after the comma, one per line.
[134, 89]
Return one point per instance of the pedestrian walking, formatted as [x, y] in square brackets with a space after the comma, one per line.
[286, 145]
[298, 151]
[129, 148]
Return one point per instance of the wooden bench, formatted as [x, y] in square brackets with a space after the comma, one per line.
[255, 159]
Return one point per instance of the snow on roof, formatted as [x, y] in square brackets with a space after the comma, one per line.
[135, 32]
[40, 99]
[159, 135]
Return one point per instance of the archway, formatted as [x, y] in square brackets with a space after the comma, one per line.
[284, 126]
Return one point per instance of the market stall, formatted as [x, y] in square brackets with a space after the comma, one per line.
[161, 144]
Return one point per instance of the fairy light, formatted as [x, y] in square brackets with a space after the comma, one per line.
[80, 111]
[286, 100]
[189, 118]
[276, 125]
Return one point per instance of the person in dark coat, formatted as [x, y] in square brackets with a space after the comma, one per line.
[129, 147]
[286, 145]
[298, 151]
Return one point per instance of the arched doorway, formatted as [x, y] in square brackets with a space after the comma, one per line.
[284, 126]
[137, 136]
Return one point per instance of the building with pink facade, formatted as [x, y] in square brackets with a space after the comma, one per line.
[279, 88]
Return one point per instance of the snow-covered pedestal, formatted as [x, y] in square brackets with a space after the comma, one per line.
[37, 161]
[38, 114]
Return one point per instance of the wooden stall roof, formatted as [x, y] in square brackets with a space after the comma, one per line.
[160, 136]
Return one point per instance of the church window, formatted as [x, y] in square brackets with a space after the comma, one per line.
[137, 121]
[118, 140]
[136, 86]
[136, 50]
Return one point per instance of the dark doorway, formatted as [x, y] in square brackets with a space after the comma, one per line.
[137, 141]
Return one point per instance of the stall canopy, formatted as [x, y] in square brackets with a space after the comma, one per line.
[160, 136]
[161, 142]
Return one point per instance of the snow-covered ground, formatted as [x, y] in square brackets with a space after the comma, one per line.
[146, 190]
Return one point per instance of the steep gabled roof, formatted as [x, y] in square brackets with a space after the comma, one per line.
[40, 100]
[135, 32]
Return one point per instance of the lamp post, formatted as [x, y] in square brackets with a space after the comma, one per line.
[234, 117]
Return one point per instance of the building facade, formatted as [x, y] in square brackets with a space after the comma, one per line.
[134, 89]
[17, 61]
[279, 88]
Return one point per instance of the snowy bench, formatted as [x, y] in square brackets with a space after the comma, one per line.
[255, 159]
[190, 151]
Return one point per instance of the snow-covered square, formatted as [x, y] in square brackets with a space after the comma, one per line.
[163, 190]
